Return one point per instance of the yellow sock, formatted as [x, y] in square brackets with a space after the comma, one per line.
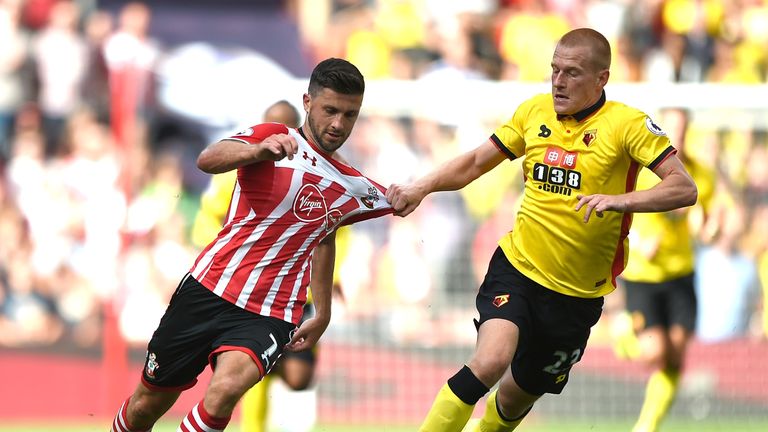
[492, 421]
[255, 407]
[659, 394]
[448, 413]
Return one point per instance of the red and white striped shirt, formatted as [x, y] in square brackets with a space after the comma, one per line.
[278, 214]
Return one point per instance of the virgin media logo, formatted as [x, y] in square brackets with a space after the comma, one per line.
[309, 205]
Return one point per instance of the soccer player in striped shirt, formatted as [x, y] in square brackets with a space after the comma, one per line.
[545, 284]
[239, 306]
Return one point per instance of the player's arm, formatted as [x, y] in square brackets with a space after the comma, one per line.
[228, 154]
[323, 259]
[675, 190]
[452, 175]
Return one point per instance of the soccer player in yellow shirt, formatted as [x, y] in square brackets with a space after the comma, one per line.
[658, 283]
[545, 284]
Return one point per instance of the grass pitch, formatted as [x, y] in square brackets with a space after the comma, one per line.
[718, 425]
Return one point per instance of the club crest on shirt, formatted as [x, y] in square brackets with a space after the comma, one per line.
[372, 197]
[654, 128]
[152, 365]
[501, 300]
[589, 137]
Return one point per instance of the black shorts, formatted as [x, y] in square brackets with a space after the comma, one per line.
[197, 325]
[662, 304]
[554, 328]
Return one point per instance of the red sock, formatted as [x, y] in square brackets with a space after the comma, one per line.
[198, 420]
[120, 423]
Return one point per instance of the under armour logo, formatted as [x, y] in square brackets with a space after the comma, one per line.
[313, 159]
[545, 132]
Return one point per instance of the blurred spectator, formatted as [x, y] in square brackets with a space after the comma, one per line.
[60, 57]
[699, 23]
[36, 13]
[98, 27]
[131, 55]
[527, 38]
[14, 78]
[725, 314]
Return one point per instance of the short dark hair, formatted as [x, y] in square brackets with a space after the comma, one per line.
[338, 75]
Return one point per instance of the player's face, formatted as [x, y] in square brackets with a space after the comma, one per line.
[331, 117]
[576, 84]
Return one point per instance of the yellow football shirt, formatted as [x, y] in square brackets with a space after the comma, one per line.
[599, 150]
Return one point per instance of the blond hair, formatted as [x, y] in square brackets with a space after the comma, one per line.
[599, 48]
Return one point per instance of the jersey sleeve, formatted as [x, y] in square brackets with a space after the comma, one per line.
[646, 142]
[374, 203]
[509, 137]
[259, 132]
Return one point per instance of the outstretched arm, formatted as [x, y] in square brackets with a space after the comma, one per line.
[229, 154]
[676, 189]
[452, 175]
[323, 259]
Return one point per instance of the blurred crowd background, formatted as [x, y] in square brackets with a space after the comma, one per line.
[104, 106]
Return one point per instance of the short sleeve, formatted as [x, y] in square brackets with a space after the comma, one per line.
[645, 141]
[510, 137]
[259, 132]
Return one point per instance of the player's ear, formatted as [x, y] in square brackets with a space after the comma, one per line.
[307, 99]
[602, 77]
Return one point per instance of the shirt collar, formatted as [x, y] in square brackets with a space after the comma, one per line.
[586, 112]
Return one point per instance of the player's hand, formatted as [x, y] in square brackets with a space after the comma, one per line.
[277, 147]
[404, 198]
[599, 203]
[307, 335]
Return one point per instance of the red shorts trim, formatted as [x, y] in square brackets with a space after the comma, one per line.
[225, 348]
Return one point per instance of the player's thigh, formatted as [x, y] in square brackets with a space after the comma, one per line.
[646, 304]
[235, 373]
[262, 339]
[681, 302]
[502, 304]
[496, 343]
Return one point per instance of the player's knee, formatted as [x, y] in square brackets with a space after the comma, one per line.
[489, 369]
[653, 354]
[142, 412]
[655, 360]
[226, 389]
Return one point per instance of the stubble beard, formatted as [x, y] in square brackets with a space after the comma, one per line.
[319, 140]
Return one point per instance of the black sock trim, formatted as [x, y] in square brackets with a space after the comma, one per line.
[503, 417]
[467, 387]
